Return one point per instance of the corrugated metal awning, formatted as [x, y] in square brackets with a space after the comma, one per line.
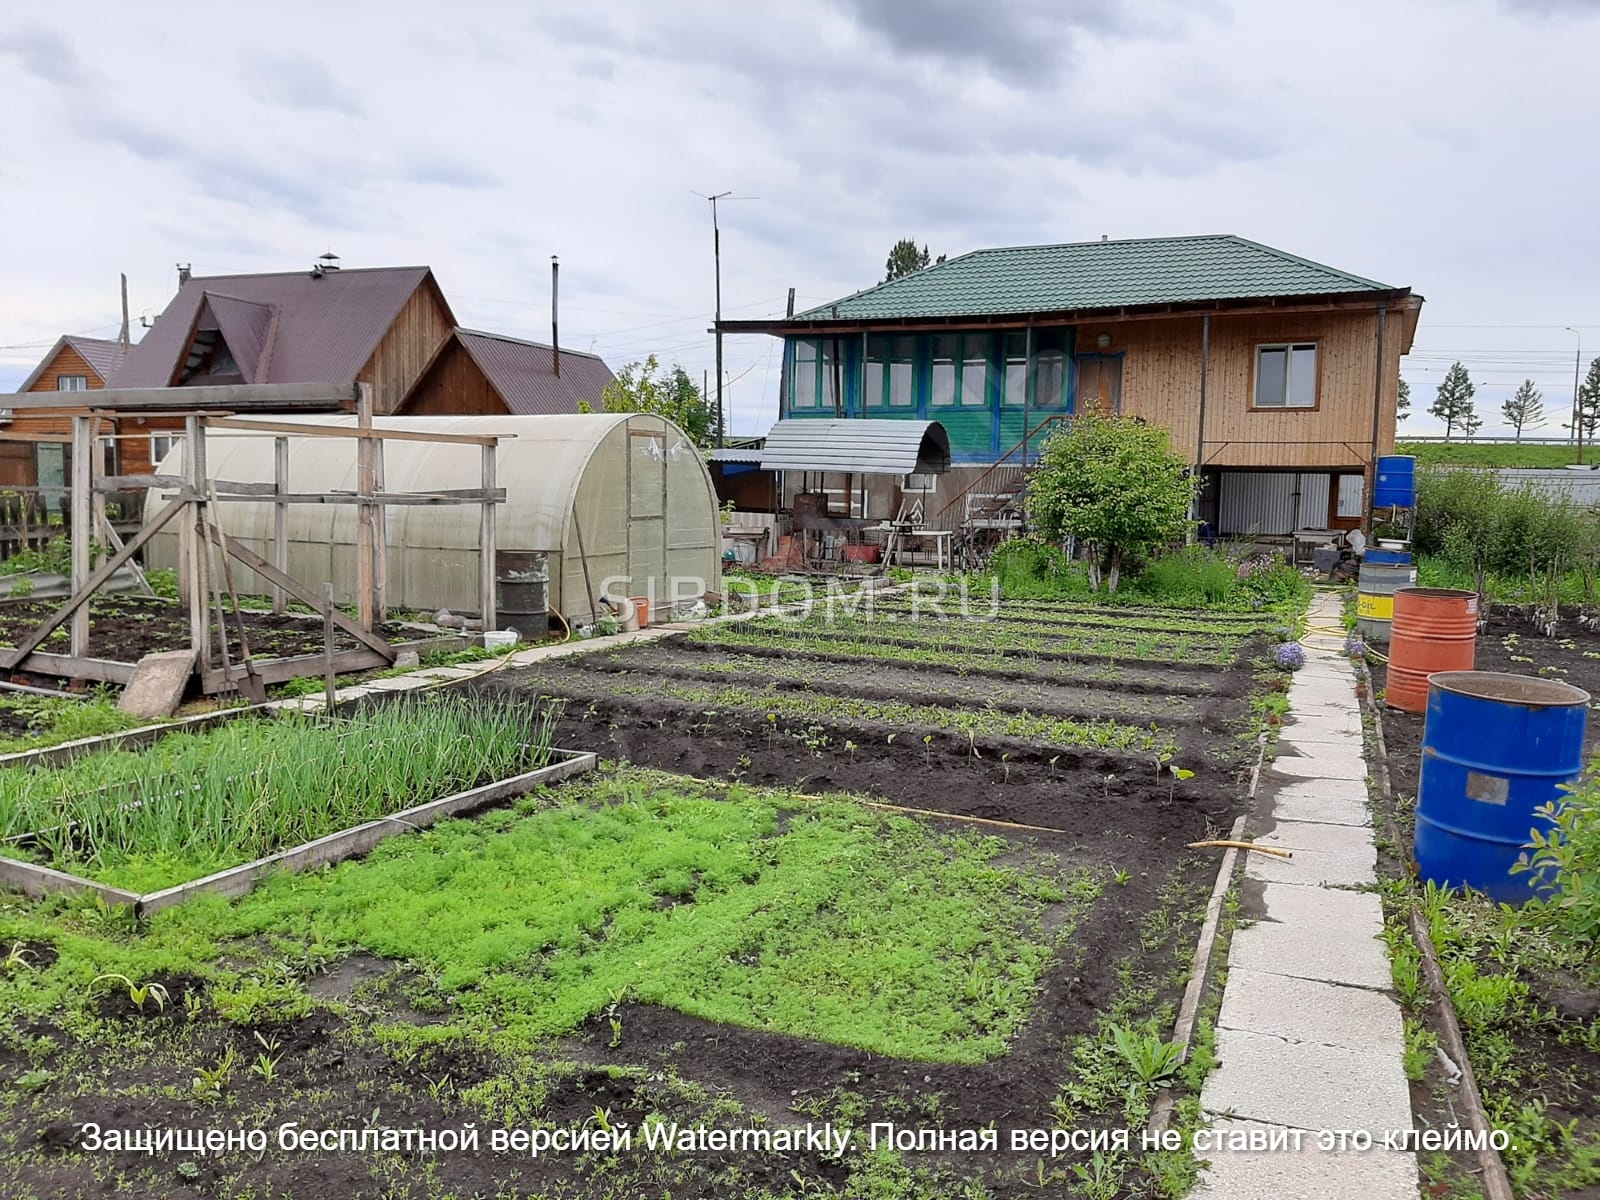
[735, 455]
[861, 447]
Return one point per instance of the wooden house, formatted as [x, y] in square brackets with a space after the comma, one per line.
[31, 458]
[1276, 376]
[390, 327]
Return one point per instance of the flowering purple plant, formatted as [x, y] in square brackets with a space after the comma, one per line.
[1291, 656]
[1355, 647]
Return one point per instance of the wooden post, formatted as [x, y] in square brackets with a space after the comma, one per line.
[327, 644]
[280, 517]
[365, 599]
[98, 519]
[486, 564]
[380, 540]
[197, 586]
[82, 526]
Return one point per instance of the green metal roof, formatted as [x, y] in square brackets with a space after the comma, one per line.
[1091, 275]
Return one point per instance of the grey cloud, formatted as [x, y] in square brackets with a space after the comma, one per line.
[300, 82]
[1013, 41]
[44, 53]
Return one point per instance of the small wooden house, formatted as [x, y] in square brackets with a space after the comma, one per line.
[74, 364]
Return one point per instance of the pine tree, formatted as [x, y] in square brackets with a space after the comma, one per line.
[1589, 402]
[1525, 409]
[1453, 405]
[905, 258]
[1402, 404]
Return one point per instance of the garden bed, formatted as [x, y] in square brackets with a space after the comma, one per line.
[126, 628]
[645, 945]
[1526, 993]
[215, 809]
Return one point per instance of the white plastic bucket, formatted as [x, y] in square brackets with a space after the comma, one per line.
[499, 639]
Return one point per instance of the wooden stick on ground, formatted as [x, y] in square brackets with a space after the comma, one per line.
[1231, 845]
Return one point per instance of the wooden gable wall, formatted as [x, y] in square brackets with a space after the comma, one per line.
[406, 348]
[455, 386]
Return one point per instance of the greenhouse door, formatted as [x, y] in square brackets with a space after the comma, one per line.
[647, 512]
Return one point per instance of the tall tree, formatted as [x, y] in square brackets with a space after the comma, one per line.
[640, 387]
[1453, 405]
[1402, 404]
[1525, 409]
[1589, 402]
[906, 258]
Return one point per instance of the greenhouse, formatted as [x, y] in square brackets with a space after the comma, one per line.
[618, 502]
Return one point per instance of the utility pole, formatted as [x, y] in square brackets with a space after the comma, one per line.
[1577, 410]
[123, 336]
[716, 254]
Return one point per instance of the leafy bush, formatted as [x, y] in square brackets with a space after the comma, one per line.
[1030, 568]
[1193, 573]
[1565, 866]
[1117, 486]
[1474, 522]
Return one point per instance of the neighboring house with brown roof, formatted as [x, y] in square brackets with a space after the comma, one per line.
[476, 372]
[73, 364]
[389, 327]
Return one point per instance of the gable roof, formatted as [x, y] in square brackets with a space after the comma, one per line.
[523, 373]
[1096, 275]
[298, 327]
[103, 355]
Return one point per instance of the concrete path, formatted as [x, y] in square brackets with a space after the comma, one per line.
[1310, 1037]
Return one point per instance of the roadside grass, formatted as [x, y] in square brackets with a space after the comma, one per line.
[815, 918]
[1498, 454]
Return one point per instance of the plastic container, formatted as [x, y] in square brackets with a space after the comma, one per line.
[1435, 629]
[499, 639]
[642, 605]
[1385, 557]
[1495, 748]
[1396, 485]
[1376, 585]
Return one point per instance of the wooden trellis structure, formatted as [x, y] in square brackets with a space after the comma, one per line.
[204, 588]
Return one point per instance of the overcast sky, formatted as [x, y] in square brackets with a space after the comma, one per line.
[1447, 146]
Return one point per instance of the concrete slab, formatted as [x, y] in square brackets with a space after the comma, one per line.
[1316, 693]
[1313, 908]
[1315, 868]
[1304, 1174]
[1322, 789]
[1322, 809]
[1309, 1010]
[399, 683]
[1355, 958]
[1323, 714]
[1311, 835]
[451, 672]
[158, 684]
[1311, 739]
[1318, 766]
[1306, 1085]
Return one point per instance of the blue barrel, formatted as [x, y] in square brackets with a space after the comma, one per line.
[1495, 748]
[1397, 482]
[1389, 558]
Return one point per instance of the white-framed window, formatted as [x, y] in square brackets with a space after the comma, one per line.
[1286, 375]
[161, 445]
[72, 383]
[889, 372]
[807, 372]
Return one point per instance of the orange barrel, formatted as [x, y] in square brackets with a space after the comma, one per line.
[1435, 629]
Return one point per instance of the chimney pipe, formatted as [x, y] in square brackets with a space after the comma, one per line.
[555, 335]
[183, 273]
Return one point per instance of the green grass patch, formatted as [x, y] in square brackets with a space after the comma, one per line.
[815, 918]
[1486, 454]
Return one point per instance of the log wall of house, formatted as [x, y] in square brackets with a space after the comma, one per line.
[422, 323]
[455, 386]
[1161, 382]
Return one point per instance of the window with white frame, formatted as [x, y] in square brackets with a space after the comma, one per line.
[72, 383]
[888, 375]
[161, 445]
[1286, 375]
[806, 373]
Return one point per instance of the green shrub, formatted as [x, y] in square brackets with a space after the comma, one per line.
[1030, 568]
[1564, 866]
[1476, 523]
